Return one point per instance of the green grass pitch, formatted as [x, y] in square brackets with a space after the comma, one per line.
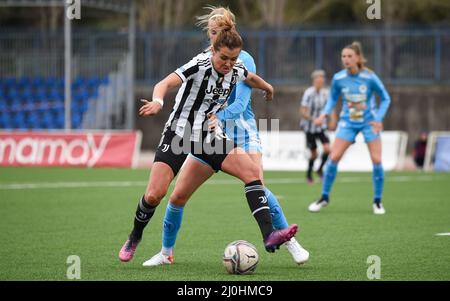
[48, 214]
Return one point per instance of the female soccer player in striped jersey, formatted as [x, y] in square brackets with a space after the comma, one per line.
[241, 127]
[206, 83]
[356, 84]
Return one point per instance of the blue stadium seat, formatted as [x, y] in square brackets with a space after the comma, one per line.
[37, 82]
[5, 120]
[57, 107]
[38, 102]
[60, 83]
[16, 105]
[76, 120]
[18, 120]
[51, 82]
[79, 82]
[29, 104]
[26, 92]
[94, 94]
[105, 80]
[40, 93]
[47, 120]
[33, 120]
[13, 93]
[10, 83]
[59, 119]
[3, 106]
[23, 82]
[44, 105]
[83, 106]
[55, 94]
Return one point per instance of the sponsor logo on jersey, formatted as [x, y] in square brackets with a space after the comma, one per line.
[217, 91]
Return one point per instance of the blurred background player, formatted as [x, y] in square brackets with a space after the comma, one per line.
[312, 103]
[420, 148]
[356, 84]
[240, 126]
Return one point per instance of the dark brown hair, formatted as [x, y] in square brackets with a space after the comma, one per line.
[228, 37]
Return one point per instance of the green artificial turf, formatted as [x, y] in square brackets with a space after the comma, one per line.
[91, 216]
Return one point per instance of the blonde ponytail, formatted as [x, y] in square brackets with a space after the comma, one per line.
[224, 18]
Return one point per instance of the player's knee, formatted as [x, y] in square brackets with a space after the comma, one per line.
[252, 173]
[335, 157]
[313, 154]
[178, 198]
[376, 160]
[154, 196]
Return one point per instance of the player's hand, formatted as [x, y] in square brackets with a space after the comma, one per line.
[377, 127]
[268, 93]
[319, 120]
[149, 108]
[213, 122]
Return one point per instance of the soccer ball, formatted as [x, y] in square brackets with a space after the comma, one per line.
[240, 257]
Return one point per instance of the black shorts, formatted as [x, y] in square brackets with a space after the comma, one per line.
[312, 137]
[166, 154]
[213, 153]
[173, 151]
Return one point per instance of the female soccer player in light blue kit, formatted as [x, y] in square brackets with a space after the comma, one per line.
[356, 84]
[240, 125]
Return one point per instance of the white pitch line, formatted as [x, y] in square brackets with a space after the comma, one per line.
[442, 234]
[99, 184]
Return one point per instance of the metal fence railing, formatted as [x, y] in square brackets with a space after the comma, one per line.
[402, 56]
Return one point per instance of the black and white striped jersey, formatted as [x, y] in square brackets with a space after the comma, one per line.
[315, 101]
[203, 91]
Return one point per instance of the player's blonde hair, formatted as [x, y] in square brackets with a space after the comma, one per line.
[357, 48]
[223, 17]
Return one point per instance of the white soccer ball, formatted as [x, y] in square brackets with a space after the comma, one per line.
[240, 257]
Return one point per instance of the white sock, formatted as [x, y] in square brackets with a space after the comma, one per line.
[166, 251]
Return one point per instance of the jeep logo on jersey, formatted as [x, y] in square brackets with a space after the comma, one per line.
[217, 91]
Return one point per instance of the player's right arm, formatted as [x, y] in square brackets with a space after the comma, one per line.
[153, 107]
[173, 80]
[331, 103]
[305, 107]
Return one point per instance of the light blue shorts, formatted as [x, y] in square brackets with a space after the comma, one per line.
[348, 131]
[245, 134]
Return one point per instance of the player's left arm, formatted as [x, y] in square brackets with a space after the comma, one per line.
[255, 81]
[385, 101]
[333, 97]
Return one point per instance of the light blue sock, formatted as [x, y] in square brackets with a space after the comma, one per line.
[171, 225]
[278, 219]
[328, 178]
[378, 182]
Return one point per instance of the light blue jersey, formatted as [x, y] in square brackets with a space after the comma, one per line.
[359, 106]
[238, 117]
